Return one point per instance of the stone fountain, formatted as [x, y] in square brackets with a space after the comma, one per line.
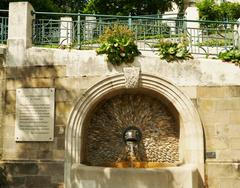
[128, 133]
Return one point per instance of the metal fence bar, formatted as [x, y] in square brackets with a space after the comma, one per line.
[3, 26]
[209, 39]
[3, 30]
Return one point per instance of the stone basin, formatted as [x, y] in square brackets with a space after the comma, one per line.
[185, 176]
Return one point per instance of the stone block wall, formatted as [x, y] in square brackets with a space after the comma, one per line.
[219, 109]
[29, 162]
[2, 91]
[38, 164]
[215, 93]
[213, 86]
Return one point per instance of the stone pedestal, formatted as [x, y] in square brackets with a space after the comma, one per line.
[237, 34]
[19, 32]
[194, 33]
[90, 25]
[66, 31]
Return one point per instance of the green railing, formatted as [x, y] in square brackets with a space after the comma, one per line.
[3, 26]
[83, 31]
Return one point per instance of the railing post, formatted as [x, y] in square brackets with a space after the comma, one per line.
[101, 27]
[66, 30]
[1, 31]
[159, 16]
[193, 27]
[237, 34]
[130, 21]
[79, 31]
[90, 25]
[19, 32]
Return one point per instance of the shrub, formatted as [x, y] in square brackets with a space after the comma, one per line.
[232, 55]
[118, 43]
[209, 10]
[173, 51]
[216, 42]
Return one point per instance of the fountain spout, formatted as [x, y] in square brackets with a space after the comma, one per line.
[132, 137]
[132, 134]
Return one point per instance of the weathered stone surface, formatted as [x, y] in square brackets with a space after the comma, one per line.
[131, 75]
[38, 181]
[36, 72]
[221, 170]
[34, 174]
[234, 117]
[23, 169]
[13, 84]
[58, 154]
[217, 143]
[62, 112]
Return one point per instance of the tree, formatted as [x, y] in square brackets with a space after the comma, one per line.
[71, 5]
[124, 7]
[51, 5]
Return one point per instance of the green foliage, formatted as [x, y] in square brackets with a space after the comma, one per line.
[216, 42]
[3, 178]
[51, 5]
[232, 55]
[124, 7]
[118, 43]
[39, 5]
[209, 10]
[114, 7]
[173, 51]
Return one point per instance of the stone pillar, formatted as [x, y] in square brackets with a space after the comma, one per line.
[66, 31]
[237, 34]
[193, 28]
[90, 25]
[19, 32]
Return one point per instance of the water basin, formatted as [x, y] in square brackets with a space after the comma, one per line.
[142, 165]
[185, 176]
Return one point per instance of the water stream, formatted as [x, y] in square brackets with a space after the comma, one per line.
[132, 153]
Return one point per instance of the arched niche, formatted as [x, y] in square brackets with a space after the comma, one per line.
[191, 133]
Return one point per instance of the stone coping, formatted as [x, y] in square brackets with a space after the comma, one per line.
[196, 72]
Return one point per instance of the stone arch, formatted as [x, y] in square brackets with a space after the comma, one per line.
[193, 151]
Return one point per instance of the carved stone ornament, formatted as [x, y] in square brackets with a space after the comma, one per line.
[131, 75]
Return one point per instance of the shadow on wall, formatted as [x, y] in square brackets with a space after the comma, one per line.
[44, 161]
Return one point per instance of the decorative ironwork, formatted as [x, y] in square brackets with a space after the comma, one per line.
[209, 38]
[3, 30]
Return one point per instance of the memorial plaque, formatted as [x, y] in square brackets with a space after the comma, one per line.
[35, 114]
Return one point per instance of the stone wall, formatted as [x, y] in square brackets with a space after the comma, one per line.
[2, 91]
[219, 108]
[215, 93]
[213, 86]
[37, 162]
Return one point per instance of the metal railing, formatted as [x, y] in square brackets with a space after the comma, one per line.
[83, 31]
[3, 26]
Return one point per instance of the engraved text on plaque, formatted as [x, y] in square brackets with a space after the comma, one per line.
[34, 114]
